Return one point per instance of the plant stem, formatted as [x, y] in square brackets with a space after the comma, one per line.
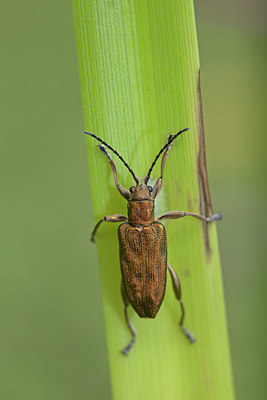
[139, 71]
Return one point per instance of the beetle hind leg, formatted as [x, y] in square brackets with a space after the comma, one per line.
[188, 334]
[178, 293]
[126, 350]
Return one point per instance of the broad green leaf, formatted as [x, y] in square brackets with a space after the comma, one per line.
[139, 72]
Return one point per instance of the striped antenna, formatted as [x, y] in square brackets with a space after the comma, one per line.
[115, 152]
[170, 140]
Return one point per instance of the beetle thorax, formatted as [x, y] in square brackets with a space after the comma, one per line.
[141, 213]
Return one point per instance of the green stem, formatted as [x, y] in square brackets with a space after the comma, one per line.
[139, 71]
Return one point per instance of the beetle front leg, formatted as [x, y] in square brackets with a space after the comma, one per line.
[124, 192]
[108, 218]
[158, 184]
[133, 332]
[181, 214]
[178, 293]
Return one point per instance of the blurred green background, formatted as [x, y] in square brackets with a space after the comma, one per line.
[52, 329]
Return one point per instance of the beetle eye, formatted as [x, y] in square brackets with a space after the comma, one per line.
[131, 189]
[150, 188]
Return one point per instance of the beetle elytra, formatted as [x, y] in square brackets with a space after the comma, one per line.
[143, 243]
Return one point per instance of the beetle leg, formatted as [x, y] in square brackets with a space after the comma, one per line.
[178, 293]
[124, 192]
[181, 214]
[108, 218]
[133, 332]
[158, 184]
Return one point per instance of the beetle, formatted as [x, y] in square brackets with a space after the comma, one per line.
[143, 243]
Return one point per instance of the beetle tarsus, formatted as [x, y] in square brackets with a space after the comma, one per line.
[215, 217]
[218, 216]
[103, 149]
[128, 347]
[92, 239]
[188, 334]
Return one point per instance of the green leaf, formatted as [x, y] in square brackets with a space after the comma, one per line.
[139, 71]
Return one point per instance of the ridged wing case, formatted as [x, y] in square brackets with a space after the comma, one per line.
[143, 258]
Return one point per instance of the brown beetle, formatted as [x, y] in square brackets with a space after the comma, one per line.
[143, 243]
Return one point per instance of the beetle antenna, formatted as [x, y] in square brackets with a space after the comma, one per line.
[115, 152]
[171, 138]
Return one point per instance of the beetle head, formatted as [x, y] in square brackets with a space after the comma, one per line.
[141, 192]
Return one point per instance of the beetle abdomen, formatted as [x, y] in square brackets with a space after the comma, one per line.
[143, 257]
